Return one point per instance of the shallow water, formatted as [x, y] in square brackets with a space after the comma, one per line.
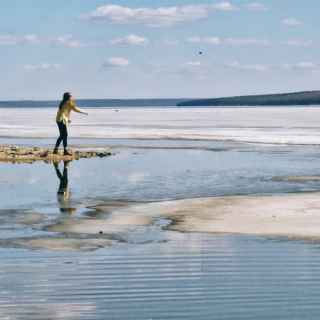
[189, 277]
[146, 171]
[146, 271]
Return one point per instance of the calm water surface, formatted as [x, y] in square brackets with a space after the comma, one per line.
[192, 277]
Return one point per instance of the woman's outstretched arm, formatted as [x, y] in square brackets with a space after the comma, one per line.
[77, 109]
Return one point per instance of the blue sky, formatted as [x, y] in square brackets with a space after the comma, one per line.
[140, 48]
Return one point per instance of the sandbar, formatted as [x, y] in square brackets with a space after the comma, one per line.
[19, 154]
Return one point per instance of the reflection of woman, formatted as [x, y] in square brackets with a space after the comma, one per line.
[63, 186]
[63, 118]
[63, 190]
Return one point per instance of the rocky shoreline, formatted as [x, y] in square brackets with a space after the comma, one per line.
[19, 154]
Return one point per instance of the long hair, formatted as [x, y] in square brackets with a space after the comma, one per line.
[66, 97]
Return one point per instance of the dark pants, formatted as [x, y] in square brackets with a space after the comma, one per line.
[63, 135]
[63, 187]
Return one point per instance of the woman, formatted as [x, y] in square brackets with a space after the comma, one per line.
[66, 106]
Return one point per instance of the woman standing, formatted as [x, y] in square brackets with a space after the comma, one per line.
[66, 106]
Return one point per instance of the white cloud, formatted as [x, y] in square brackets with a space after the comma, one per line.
[229, 41]
[206, 40]
[247, 41]
[291, 22]
[15, 40]
[299, 43]
[256, 6]
[304, 65]
[68, 41]
[131, 39]
[212, 40]
[42, 66]
[156, 17]
[64, 40]
[31, 38]
[249, 67]
[116, 62]
[169, 42]
[194, 39]
[224, 6]
[193, 63]
[7, 40]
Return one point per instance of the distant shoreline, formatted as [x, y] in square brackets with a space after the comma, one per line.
[94, 103]
[305, 98]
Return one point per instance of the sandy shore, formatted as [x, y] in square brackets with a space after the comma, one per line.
[17, 154]
[293, 216]
[296, 215]
[290, 215]
[297, 178]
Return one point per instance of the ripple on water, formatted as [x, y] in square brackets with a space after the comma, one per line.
[190, 277]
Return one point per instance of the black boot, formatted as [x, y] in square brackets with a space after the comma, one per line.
[67, 153]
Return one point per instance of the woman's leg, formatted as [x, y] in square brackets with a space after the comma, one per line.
[58, 143]
[65, 136]
[60, 135]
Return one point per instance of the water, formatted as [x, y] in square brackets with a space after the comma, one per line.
[160, 173]
[146, 271]
[195, 277]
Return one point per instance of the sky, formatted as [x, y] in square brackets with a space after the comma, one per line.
[158, 48]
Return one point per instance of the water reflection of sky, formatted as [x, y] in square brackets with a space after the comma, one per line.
[146, 174]
[192, 276]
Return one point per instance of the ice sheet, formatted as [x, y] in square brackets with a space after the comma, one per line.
[282, 125]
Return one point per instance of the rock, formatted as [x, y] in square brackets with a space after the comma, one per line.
[44, 154]
[103, 154]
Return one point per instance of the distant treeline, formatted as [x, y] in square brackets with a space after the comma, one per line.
[283, 99]
[94, 103]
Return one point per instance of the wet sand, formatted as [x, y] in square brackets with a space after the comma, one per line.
[297, 178]
[293, 216]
